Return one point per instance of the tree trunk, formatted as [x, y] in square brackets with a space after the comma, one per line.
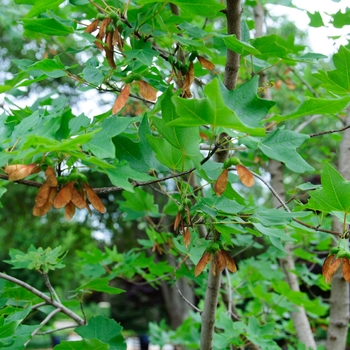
[233, 15]
[339, 301]
[300, 320]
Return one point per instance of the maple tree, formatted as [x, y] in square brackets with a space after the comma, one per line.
[201, 107]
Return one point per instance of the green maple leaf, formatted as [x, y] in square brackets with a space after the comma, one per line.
[281, 145]
[246, 103]
[211, 110]
[101, 144]
[337, 80]
[106, 330]
[334, 194]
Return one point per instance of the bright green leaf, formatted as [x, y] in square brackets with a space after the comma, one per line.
[238, 46]
[269, 47]
[168, 155]
[341, 19]
[315, 106]
[337, 80]
[334, 194]
[100, 285]
[47, 26]
[41, 6]
[211, 110]
[315, 19]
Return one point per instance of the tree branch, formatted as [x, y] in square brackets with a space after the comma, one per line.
[46, 319]
[43, 296]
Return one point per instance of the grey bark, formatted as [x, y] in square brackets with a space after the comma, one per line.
[233, 15]
[300, 319]
[339, 300]
[176, 307]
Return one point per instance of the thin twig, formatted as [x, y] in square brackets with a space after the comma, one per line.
[47, 319]
[330, 131]
[43, 296]
[50, 288]
[57, 330]
[229, 293]
[275, 194]
[305, 82]
[36, 306]
[178, 289]
[134, 183]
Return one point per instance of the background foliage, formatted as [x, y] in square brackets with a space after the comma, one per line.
[155, 204]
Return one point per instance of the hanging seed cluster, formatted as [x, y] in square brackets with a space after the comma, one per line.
[332, 263]
[220, 258]
[69, 192]
[108, 36]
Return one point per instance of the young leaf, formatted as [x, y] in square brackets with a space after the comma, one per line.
[121, 99]
[245, 175]
[100, 285]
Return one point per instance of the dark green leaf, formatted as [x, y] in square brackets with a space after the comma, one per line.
[85, 344]
[281, 145]
[246, 103]
[138, 204]
[101, 144]
[105, 330]
[139, 155]
[100, 285]
[204, 8]
[121, 174]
